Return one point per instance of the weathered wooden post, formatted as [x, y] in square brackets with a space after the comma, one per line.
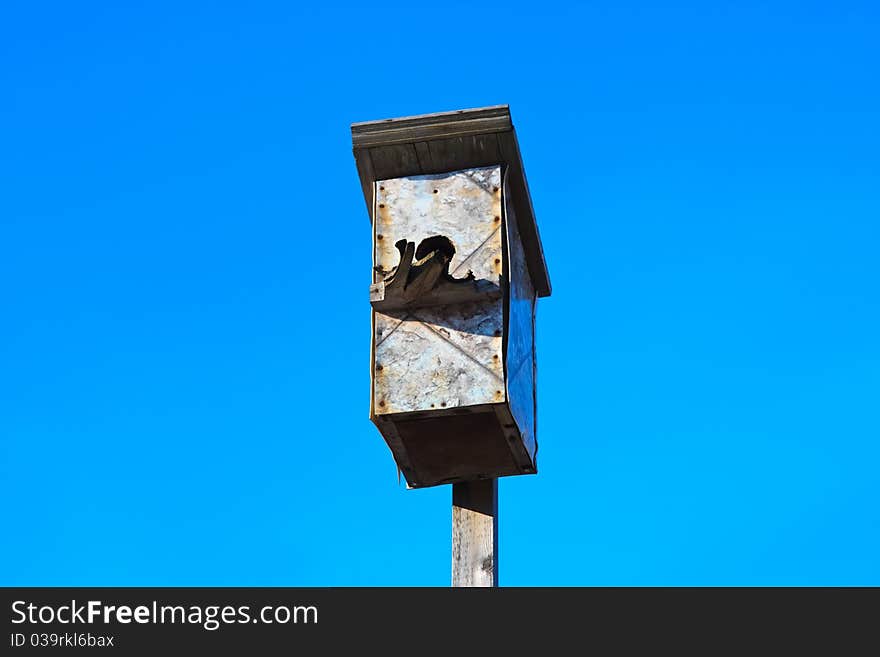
[457, 270]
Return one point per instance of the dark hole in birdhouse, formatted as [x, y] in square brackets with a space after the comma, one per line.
[436, 243]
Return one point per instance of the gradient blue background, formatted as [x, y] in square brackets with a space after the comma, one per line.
[182, 404]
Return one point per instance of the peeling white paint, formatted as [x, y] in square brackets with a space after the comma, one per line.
[443, 356]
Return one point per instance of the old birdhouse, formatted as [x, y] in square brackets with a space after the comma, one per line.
[457, 270]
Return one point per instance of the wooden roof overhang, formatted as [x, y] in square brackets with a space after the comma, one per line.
[451, 141]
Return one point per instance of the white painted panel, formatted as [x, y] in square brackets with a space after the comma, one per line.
[442, 356]
[464, 209]
[422, 371]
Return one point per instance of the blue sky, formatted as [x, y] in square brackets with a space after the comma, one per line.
[182, 404]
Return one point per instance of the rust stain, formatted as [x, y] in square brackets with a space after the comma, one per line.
[384, 212]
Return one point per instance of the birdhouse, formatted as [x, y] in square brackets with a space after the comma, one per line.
[457, 270]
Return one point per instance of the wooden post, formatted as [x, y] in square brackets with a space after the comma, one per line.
[475, 533]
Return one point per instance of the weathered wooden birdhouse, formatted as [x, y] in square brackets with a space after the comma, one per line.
[457, 270]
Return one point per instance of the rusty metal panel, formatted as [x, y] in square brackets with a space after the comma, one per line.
[445, 356]
[465, 206]
[520, 367]
[421, 370]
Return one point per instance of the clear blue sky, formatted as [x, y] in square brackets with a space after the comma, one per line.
[182, 402]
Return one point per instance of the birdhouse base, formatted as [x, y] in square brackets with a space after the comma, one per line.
[461, 444]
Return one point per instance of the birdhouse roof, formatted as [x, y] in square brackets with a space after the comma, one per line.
[450, 141]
